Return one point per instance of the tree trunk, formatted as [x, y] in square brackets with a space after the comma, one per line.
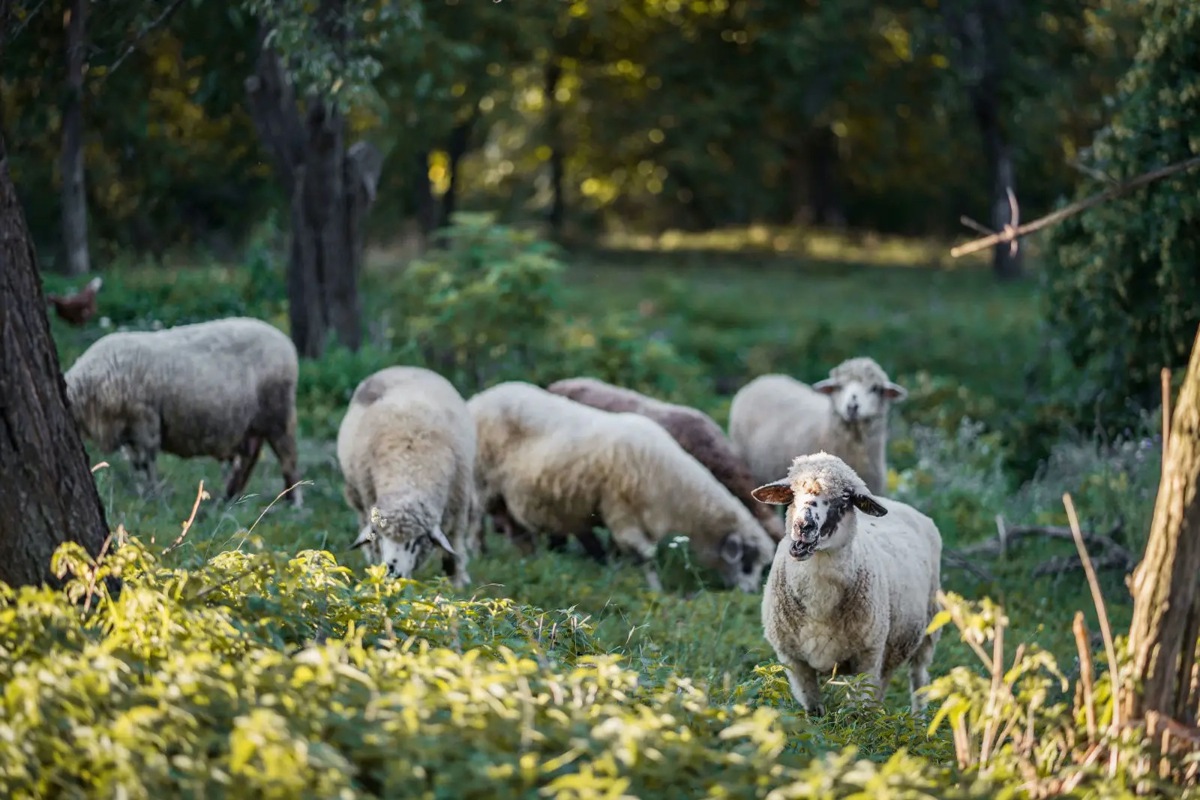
[423, 195]
[1006, 262]
[980, 31]
[49, 495]
[558, 203]
[1162, 636]
[74, 190]
[330, 189]
[457, 147]
[1166, 585]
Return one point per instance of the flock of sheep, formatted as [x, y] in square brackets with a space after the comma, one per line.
[853, 576]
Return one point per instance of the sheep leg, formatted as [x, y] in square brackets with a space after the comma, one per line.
[460, 533]
[247, 457]
[284, 446]
[144, 443]
[918, 673]
[643, 548]
[803, 680]
[870, 664]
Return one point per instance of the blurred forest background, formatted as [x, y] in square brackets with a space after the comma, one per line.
[179, 131]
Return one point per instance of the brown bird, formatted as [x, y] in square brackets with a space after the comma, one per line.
[77, 308]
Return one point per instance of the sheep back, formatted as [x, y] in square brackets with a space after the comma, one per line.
[557, 462]
[205, 386]
[696, 432]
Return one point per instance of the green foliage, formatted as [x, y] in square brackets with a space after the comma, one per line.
[217, 661]
[1122, 279]
[484, 299]
[264, 674]
[1026, 722]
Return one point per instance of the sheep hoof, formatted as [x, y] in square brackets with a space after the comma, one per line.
[815, 710]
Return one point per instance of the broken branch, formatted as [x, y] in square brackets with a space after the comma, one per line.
[1013, 233]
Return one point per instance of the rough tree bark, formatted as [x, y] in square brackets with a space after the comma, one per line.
[49, 495]
[331, 188]
[558, 203]
[74, 189]
[1166, 585]
[979, 28]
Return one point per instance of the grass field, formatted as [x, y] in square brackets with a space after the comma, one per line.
[957, 340]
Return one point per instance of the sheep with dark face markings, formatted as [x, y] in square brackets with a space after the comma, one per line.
[775, 418]
[695, 431]
[849, 590]
[406, 448]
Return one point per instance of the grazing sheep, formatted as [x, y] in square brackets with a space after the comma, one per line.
[406, 448]
[775, 418]
[848, 590]
[695, 431]
[217, 388]
[559, 464]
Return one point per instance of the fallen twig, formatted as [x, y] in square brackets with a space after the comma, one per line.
[954, 559]
[1105, 561]
[1011, 233]
[999, 545]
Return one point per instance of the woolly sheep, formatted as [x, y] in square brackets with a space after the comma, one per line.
[558, 464]
[695, 431]
[849, 590]
[775, 418]
[217, 388]
[406, 448]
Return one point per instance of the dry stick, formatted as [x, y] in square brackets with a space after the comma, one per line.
[997, 667]
[101, 465]
[1086, 675]
[187, 524]
[1109, 650]
[1073, 209]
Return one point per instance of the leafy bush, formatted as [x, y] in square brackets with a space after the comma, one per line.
[480, 304]
[262, 674]
[1122, 280]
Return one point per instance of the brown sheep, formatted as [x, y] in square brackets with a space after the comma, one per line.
[696, 432]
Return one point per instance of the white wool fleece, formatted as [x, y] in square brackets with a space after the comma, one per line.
[775, 418]
[854, 585]
[557, 463]
[406, 448]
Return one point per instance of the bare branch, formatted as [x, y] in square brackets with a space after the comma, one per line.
[1013, 233]
[155, 23]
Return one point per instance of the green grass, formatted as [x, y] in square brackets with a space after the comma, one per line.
[960, 342]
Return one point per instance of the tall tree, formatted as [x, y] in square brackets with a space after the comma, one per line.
[74, 188]
[49, 495]
[324, 59]
[980, 31]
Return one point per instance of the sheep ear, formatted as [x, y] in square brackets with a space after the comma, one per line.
[731, 549]
[894, 392]
[868, 505]
[441, 541]
[364, 536]
[827, 386]
[778, 493]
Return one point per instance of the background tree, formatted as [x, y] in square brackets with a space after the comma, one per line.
[327, 59]
[49, 494]
[76, 259]
[1123, 280]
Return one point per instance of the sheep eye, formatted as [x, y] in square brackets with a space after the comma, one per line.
[877, 389]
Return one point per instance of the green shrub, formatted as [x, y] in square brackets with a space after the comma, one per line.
[1123, 279]
[479, 306]
[262, 674]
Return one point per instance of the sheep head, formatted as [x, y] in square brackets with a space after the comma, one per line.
[399, 536]
[860, 390]
[742, 558]
[820, 490]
